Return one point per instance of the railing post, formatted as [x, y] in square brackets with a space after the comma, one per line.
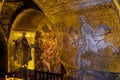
[35, 75]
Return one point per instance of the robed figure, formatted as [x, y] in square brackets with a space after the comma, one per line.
[22, 50]
[87, 33]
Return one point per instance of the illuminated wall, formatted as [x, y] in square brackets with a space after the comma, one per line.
[38, 49]
[59, 37]
[18, 27]
[66, 16]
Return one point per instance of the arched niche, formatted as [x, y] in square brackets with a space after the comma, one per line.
[22, 23]
[3, 53]
[39, 32]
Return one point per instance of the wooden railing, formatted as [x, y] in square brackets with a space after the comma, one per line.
[48, 76]
[33, 75]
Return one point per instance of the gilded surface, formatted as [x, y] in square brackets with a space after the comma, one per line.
[40, 38]
[15, 33]
[56, 38]
[67, 14]
[16, 64]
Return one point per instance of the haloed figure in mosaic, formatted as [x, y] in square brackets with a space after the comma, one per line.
[91, 41]
[81, 45]
[22, 50]
[86, 42]
[87, 32]
[94, 39]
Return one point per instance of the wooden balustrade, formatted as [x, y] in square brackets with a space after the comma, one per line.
[48, 76]
[33, 75]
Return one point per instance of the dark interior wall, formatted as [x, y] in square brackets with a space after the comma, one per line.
[30, 4]
[3, 53]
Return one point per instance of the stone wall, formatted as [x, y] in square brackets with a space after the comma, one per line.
[8, 10]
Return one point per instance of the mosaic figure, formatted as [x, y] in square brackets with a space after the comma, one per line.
[87, 33]
[92, 40]
[38, 50]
